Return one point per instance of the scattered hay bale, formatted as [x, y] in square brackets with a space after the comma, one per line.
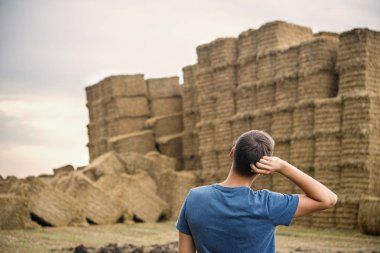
[279, 35]
[331, 107]
[6, 184]
[108, 163]
[125, 125]
[166, 162]
[64, 169]
[137, 194]
[174, 186]
[164, 87]
[166, 124]
[286, 92]
[171, 145]
[124, 85]
[140, 142]
[368, 218]
[223, 52]
[165, 106]
[49, 205]
[14, 213]
[98, 206]
[118, 107]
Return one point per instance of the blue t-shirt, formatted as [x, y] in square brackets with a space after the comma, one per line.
[234, 219]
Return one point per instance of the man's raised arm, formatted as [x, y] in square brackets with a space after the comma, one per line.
[317, 196]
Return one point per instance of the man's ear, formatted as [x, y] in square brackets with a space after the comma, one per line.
[232, 153]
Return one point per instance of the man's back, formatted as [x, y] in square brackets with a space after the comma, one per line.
[234, 219]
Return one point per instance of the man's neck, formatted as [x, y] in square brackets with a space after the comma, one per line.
[235, 180]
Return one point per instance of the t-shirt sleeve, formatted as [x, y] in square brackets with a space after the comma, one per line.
[282, 207]
[182, 224]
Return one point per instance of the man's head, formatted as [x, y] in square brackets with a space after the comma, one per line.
[249, 148]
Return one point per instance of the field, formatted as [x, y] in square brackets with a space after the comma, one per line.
[61, 239]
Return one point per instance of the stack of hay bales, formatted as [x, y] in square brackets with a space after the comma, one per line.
[190, 140]
[14, 212]
[118, 106]
[165, 98]
[327, 132]
[358, 64]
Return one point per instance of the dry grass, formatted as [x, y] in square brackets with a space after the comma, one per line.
[288, 238]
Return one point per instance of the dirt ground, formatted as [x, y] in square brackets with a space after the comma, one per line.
[64, 239]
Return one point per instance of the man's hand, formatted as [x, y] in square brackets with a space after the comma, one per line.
[267, 165]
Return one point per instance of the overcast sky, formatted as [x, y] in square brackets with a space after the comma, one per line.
[51, 50]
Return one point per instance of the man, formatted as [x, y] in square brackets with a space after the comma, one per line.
[230, 217]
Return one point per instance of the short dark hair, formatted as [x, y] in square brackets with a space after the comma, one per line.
[249, 148]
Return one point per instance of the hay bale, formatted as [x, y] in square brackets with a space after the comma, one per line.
[324, 218]
[265, 95]
[96, 110]
[263, 182]
[163, 87]
[302, 151]
[286, 65]
[207, 107]
[327, 149]
[191, 162]
[316, 55]
[189, 75]
[359, 79]
[225, 105]
[245, 98]
[125, 125]
[262, 120]
[49, 205]
[282, 149]
[346, 215]
[266, 70]
[225, 79]
[281, 126]
[303, 118]
[140, 142]
[328, 174]
[354, 182]
[247, 72]
[166, 162]
[135, 192]
[124, 85]
[363, 44]
[279, 35]
[361, 113]
[203, 55]
[321, 84]
[64, 169]
[171, 145]
[14, 213]
[189, 98]
[368, 218]
[326, 35]
[223, 52]
[108, 163]
[190, 120]
[174, 186]
[98, 206]
[209, 161]
[97, 130]
[224, 160]
[93, 93]
[281, 184]
[327, 115]
[247, 45]
[97, 148]
[360, 148]
[165, 106]
[7, 183]
[166, 124]
[206, 136]
[118, 107]
[188, 143]
[286, 92]
[240, 124]
[223, 134]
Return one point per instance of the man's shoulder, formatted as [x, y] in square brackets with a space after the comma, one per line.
[201, 189]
